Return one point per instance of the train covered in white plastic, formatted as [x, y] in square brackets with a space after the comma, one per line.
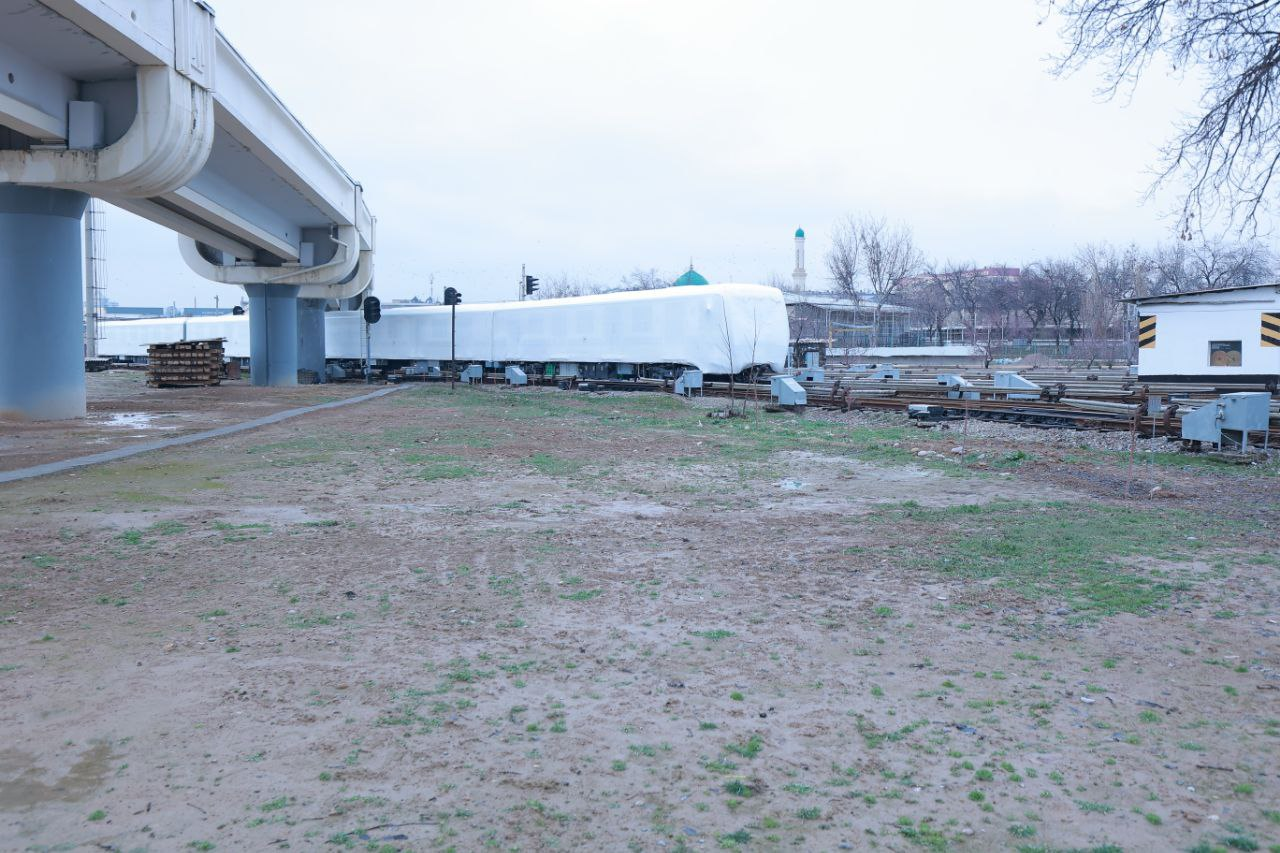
[718, 329]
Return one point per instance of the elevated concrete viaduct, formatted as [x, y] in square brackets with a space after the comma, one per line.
[144, 104]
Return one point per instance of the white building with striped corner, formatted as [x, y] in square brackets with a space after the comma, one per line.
[1228, 335]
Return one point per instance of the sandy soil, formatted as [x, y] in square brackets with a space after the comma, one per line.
[532, 620]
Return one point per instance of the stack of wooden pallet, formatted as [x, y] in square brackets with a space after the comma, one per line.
[185, 364]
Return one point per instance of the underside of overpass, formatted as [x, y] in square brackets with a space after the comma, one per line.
[116, 99]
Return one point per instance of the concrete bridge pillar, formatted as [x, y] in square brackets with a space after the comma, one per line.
[273, 334]
[311, 336]
[41, 302]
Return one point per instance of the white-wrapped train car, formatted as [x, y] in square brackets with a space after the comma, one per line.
[130, 338]
[718, 328]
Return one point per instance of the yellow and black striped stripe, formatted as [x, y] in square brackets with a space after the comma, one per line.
[1271, 329]
[1147, 332]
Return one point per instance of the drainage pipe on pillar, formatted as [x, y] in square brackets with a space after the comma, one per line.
[311, 342]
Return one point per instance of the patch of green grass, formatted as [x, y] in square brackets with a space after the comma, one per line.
[227, 526]
[97, 815]
[811, 813]
[555, 466]
[1077, 552]
[274, 805]
[433, 470]
[715, 635]
[166, 528]
[316, 619]
[582, 595]
[924, 834]
[748, 749]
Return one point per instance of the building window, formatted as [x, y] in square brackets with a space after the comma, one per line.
[1224, 353]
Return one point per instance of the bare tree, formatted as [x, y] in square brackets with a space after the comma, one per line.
[648, 279]
[726, 346]
[1063, 295]
[1171, 269]
[1228, 154]
[889, 255]
[1034, 297]
[927, 297]
[562, 285]
[775, 279]
[964, 289]
[1217, 265]
[998, 303]
[1179, 267]
[843, 259]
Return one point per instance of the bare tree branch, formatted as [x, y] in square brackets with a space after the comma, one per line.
[1228, 154]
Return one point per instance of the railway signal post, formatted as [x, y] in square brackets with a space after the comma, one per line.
[451, 298]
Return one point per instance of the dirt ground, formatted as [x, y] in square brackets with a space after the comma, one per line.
[124, 411]
[540, 620]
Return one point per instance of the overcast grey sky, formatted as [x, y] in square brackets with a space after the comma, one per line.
[592, 137]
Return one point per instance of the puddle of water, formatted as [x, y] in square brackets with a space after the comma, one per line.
[134, 420]
[26, 788]
[791, 485]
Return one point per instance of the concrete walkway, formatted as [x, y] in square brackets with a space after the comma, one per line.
[136, 449]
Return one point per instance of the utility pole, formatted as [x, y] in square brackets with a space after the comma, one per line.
[520, 287]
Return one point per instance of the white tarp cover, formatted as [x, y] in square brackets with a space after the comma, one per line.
[132, 337]
[718, 328]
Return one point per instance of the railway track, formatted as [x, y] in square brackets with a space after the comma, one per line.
[1094, 401]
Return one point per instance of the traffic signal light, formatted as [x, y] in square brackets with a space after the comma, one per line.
[530, 285]
[372, 309]
[452, 296]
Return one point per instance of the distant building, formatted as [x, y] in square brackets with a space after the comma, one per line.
[111, 311]
[844, 324]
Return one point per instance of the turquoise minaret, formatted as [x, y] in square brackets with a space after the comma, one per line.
[798, 275]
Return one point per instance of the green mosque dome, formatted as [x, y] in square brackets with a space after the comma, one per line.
[800, 233]
[692, 277]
